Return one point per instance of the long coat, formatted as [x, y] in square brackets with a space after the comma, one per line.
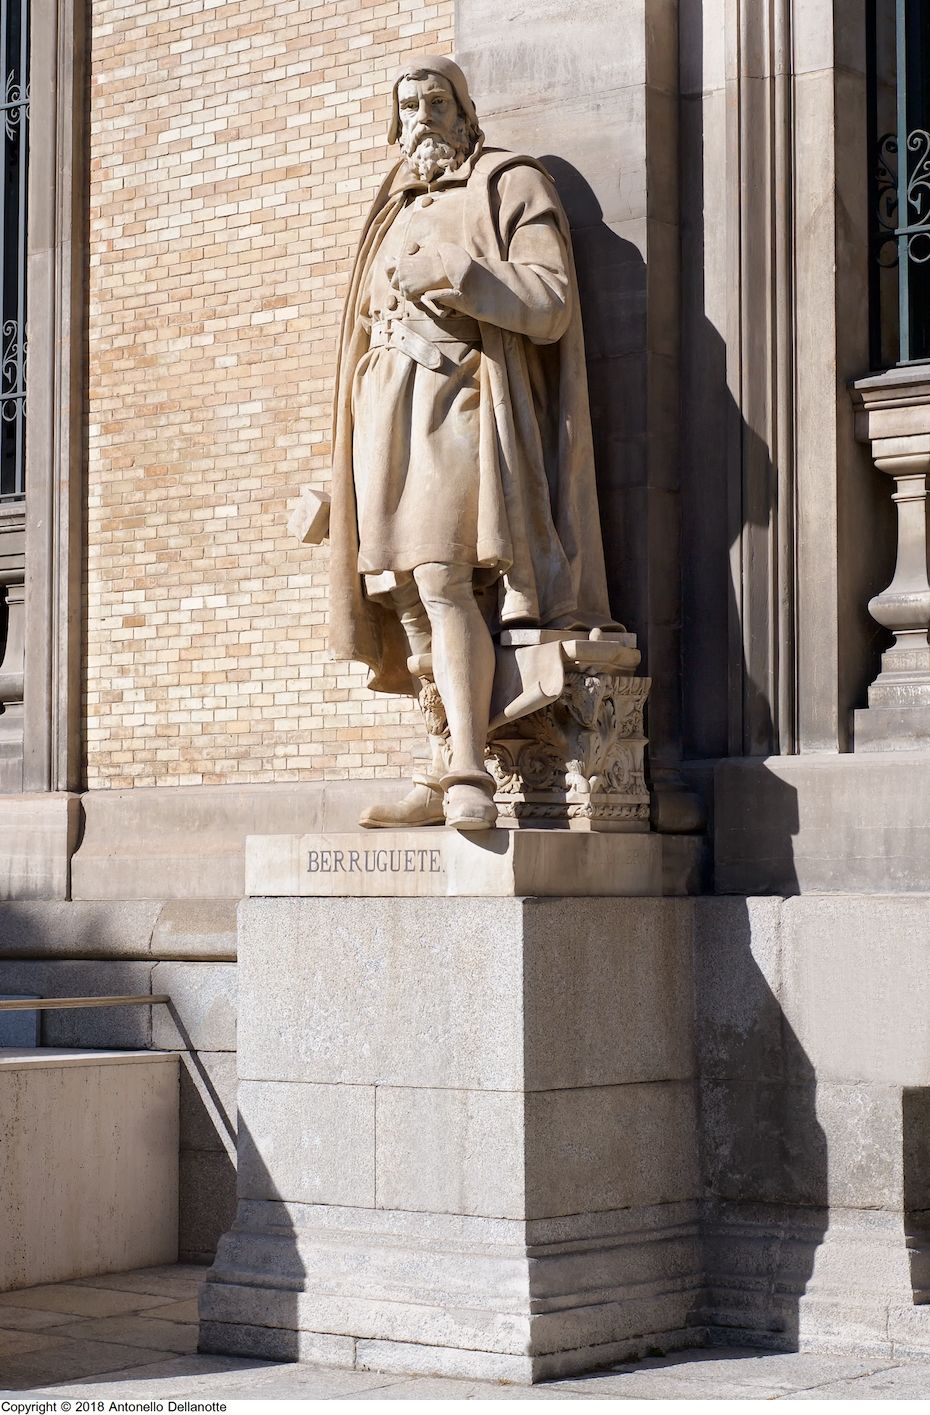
[535, 427]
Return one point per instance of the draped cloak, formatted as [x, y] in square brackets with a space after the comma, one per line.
[535, 446]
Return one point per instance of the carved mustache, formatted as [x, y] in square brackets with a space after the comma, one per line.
[419, 135]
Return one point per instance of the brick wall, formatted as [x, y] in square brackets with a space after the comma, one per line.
[235, 148]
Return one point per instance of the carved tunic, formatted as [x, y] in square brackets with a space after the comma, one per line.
[415, 442]
[423, 490]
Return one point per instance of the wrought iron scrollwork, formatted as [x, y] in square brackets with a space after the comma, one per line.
[14, 101]
[15, 104]
[886, 204]
[12, 365]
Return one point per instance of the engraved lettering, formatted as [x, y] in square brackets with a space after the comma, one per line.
[374, 861]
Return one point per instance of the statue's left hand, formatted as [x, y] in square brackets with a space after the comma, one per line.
[421, 274]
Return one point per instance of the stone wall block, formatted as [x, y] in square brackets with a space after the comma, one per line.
[53, 928]
[508, 64]
[104, 1027]
[607, 991]
[202, 1013]
[864, 1137]
[210, 1075]
[38, 833]
[915, 1119]
[196, 928]
[207, 1203]
[856, 986]
[308, 1144]
[428, 988]
[620, 150]
[609, 1147]
[762, 1143]
[737, 970]
[446, 1151]
[822, 823]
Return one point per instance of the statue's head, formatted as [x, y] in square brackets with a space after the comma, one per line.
[434, 119]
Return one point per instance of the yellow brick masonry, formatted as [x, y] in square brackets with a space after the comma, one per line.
[234, 150]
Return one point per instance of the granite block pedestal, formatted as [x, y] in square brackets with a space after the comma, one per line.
[467, 1136]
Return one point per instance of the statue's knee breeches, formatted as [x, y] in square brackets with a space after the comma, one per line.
[444, 587]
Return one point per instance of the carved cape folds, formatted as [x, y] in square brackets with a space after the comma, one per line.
[535, 432]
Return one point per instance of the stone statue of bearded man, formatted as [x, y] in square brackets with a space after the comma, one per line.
[463, 494]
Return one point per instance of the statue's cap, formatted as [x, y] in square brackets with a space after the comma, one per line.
[447, 69]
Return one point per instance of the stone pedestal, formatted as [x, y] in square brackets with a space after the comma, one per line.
[467, 1137]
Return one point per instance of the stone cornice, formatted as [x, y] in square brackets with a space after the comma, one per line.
[895, 403]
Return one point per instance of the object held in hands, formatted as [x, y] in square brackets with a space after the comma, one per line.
[309, 520]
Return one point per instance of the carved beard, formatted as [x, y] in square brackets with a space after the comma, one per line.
[428, 156]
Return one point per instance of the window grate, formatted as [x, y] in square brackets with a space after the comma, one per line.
[898, 45]
[14, 108]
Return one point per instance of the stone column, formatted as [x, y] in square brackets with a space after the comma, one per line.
[893, 414]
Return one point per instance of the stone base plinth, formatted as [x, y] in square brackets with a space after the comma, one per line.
[437, 862]
[892, 729]
[467, 1139]
[817, 1279]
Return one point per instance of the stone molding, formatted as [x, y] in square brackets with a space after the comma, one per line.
[761, 1288]
[761, 338]
[447, 1294]
[55, 379]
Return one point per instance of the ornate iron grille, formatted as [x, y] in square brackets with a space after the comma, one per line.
[899, 118]
[14, 78]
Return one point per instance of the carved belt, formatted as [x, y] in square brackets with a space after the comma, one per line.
[419, 338]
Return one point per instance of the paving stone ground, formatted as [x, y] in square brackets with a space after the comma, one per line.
[134, 1336]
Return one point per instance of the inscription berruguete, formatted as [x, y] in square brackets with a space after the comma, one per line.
[376, 861]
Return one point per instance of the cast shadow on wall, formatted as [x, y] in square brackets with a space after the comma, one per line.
[763, 1151]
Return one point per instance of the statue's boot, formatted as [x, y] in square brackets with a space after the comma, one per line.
[422, 805]
[469, 801]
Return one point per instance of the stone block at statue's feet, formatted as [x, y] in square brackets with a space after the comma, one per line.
[443, 862]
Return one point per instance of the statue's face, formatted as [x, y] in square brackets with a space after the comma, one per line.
[427, 108]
